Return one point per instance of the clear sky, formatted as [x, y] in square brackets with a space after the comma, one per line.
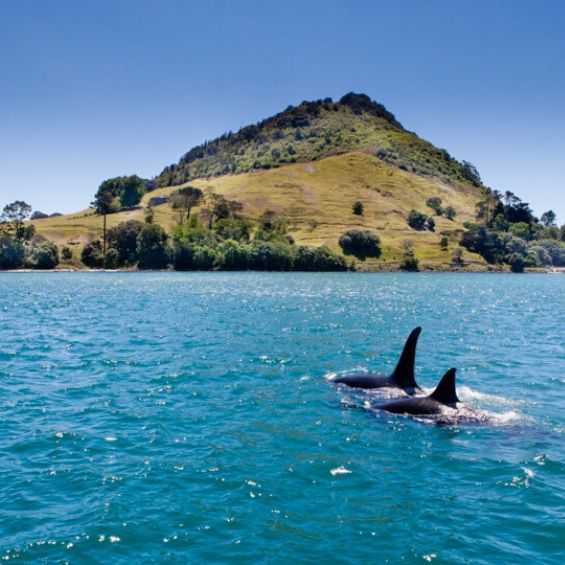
[92, 89]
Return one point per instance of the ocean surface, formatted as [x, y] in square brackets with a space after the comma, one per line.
[191, 418]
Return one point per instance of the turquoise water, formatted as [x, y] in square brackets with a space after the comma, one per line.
[170, 417]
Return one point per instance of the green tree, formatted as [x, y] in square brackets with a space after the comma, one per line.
[228, 228]
[183, 254]
[234, 256]
[105, 202]
[326, 260]
[548, 218]
[115, 194]
[417, 220]
[12, 252]
[37, 215]
[111, 259]
[131, 190]
[221, 208]
[152, 249]
[184, 199]
[14, 214]
[516, 262]
[92, 254]
[123, 238]
[196, 235]
[271, 256]
[360, 243]
[235, 207]
[520, 229]
[204, 258]
[444, 243]
[44, 255]
[470, 173]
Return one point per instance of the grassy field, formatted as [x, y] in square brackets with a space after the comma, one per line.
[316, 197]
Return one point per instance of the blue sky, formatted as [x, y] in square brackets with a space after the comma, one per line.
[99, 88]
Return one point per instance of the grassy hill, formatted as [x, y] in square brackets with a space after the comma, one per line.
[309, 164]
[313, 131]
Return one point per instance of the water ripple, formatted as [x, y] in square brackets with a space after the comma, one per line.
[187, 416]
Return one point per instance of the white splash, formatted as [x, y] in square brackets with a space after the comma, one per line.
[341, 470]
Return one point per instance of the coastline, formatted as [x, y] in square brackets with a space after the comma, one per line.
[386, 268]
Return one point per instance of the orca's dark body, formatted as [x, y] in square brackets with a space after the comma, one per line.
[402, 377]
[443, 396]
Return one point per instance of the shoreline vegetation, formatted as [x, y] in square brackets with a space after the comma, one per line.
[323, 186]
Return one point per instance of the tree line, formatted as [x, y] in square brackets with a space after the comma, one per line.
[507, 232]
[216, 238]
[20, 246]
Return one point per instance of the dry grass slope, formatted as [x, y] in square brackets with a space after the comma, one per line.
[316, 197]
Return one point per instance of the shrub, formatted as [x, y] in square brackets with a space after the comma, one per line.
[239, 230]
[435, 204]
[431, 224]
[485, 242]
[152, 248]
[204, 258]
[111, 259]
[516, 262]
[444, 243]
[182, 257]
[319, 259]
[92, 255]
[326, 260]
[358, 208]
[360, 243]
[233, 255]
[512, 244]
[37, 215]
[417, 220]
[555, 250]
[66, 253]
[11, 252]
[271, 256]
[197, 236]
[409, 261]
[449, 212]
[123, 238]
[305, 259]
[44, 255]
[520, 229]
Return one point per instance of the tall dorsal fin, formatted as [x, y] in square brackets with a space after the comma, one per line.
[403, 374]
[445, 390]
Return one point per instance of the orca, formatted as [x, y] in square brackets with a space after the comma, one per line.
[443, 396]
[402, 376]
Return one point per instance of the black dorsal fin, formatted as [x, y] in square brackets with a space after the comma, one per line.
[445, 390]
[403, 374]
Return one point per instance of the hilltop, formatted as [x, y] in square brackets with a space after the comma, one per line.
[309, 164]
[313, 131]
